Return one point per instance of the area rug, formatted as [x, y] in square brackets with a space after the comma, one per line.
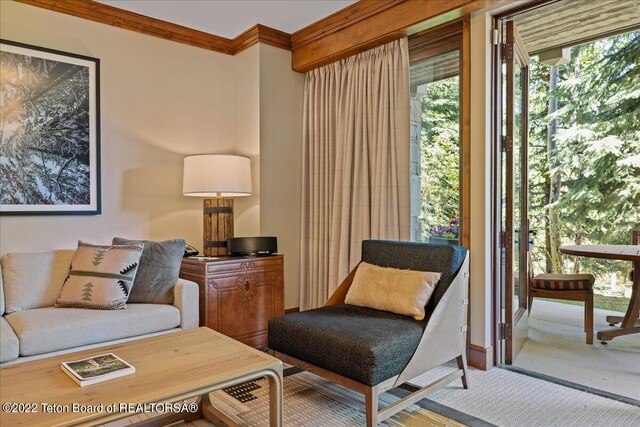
[312, 401]
[506, 398]
[496, 397]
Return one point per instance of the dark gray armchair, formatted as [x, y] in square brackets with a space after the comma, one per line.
[372, 351]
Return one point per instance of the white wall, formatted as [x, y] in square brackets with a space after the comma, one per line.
[281, 160]
[247, 130]
[160, 101]
[268, 127]
[480, 250]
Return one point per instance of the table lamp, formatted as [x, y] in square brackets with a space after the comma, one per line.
[217, 178]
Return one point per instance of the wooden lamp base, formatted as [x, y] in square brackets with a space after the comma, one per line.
[217, 225]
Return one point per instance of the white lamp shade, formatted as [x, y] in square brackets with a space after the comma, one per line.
[211, 175]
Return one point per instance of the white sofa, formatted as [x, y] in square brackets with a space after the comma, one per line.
[31, 327]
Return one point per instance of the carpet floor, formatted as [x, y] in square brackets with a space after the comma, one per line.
[496, 397]
[506, 398]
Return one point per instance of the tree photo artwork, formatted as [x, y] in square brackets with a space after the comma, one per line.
[49, 131]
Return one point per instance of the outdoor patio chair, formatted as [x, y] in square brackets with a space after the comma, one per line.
[372, 351]
[573, 287]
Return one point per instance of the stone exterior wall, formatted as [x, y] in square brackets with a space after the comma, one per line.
[415, 170]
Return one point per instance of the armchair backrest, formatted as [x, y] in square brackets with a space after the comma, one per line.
[443, 259]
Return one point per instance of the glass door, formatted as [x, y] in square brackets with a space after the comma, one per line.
[515, 228]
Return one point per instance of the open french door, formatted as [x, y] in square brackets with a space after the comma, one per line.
[514, 195]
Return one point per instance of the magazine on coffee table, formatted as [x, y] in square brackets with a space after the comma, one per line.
[96, 369]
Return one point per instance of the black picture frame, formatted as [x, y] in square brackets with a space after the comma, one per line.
[50, 135]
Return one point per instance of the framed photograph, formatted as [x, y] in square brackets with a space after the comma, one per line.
[49, 132]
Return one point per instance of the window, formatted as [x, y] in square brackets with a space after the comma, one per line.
[437, 181]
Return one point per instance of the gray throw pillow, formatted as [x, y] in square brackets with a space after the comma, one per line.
[158, 270]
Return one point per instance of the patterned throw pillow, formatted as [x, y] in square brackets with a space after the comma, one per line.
[100, 276]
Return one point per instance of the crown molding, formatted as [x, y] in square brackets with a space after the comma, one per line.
[358, 27]
[261, 34]
[116, 17]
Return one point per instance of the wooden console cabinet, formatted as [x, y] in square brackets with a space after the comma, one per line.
[238, 295]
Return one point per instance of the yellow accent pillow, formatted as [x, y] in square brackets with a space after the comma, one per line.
[404, 292]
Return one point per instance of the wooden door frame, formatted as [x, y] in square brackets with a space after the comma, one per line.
[496, 175]
[515, 57]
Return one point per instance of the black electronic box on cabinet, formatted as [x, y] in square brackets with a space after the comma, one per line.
[244, 246]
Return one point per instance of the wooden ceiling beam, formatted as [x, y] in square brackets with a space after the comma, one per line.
[341, 19]
[369, 23]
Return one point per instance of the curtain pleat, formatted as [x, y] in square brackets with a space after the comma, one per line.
[355, 164]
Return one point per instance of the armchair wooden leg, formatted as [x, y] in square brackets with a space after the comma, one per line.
[588, 316]
[371, 405]
[462, 364]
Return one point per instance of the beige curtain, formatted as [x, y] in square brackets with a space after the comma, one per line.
[355, 164]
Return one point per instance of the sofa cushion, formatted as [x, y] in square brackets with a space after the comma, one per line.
[158, 271]
[398, 291]
[33, 280]
[101, 276]
[9, 347]
[50, 329]
[443, 259]
[366, 345]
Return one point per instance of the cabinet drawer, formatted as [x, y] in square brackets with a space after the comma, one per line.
[240, 305]
[244, 264]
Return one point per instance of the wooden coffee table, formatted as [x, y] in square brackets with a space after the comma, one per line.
[169, 368]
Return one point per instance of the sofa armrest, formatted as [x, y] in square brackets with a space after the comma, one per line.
[185, 299]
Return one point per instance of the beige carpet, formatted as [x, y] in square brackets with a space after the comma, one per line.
[506, 398]
[312, 401]
[498, 397]
[556, 347]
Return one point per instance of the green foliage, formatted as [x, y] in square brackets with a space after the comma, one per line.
[598, 147]
[600, 301]
[440, 158]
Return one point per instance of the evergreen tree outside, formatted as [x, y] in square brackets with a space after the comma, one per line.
[593, 160]
[593, 157]
[440, 158]
[597, 154]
